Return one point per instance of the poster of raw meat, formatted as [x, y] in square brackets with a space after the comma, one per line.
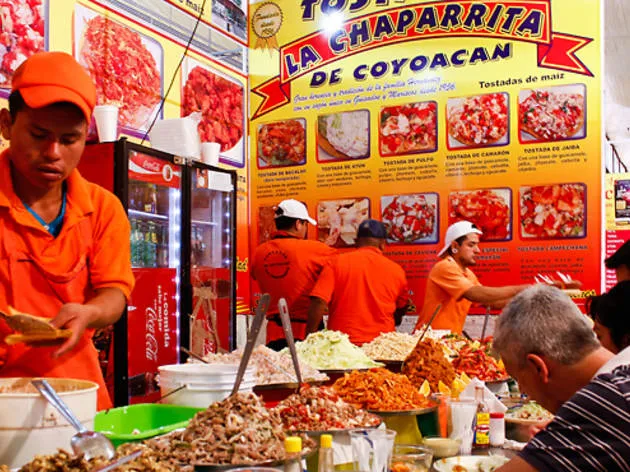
[126, 66]
[220, 100]
[23, 32]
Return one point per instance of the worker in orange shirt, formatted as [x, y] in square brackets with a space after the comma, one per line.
[287, 266]
[452, 287]
[365, 293]
[64, 242]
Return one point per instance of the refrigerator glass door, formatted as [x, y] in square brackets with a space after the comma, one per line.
[211, 260]
[154, 202]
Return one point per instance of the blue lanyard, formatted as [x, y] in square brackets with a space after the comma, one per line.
[54, 227]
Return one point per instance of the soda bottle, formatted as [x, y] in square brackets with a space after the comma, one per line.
[146, 198]
[152, 198]
[135, 260]
[150, 257]
[140, 243]
[162, 258]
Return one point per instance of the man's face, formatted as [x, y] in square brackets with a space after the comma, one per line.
[467, 251]
[603, 335]
[45, 144]
[302, 228]
[529, 380]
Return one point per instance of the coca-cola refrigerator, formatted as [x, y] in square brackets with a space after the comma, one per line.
[183, 229]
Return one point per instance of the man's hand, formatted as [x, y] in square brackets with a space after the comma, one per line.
[537, 428]
[102, 310]
[77, 318]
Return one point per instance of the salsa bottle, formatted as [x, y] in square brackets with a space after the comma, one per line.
[482, 420]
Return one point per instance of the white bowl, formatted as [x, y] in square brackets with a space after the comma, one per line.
[31, 426]
[477, 463]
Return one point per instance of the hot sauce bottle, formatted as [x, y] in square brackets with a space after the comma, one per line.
[482, 420]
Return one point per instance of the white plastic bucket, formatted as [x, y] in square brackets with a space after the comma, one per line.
[203, 384]
[29, 425]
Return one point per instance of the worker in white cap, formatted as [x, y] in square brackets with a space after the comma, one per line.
[452, 287]
[287, 266]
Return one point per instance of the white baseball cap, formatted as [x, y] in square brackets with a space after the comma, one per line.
[456, 231]
[294, 209]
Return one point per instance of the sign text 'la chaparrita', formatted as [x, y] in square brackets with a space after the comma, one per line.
[514, 20]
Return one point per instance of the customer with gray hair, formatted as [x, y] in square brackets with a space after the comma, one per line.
[548, 346]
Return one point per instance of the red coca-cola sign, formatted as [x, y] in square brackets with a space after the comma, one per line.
[152, 331]
[153, 170]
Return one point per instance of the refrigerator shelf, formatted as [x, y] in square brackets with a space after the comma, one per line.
[144, 214]
[205, 223]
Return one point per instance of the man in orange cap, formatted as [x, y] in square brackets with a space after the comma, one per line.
[287, 266]
[452, 287]
[64, 242]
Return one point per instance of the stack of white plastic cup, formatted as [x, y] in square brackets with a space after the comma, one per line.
[210, 153]
[106, 117]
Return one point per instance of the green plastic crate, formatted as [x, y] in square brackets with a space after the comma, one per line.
[138, 422]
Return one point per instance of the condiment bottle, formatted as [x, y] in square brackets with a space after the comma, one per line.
[497, 429]
[326, 462]
[293, 448]
[482, 420]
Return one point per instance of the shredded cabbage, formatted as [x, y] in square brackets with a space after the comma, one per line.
[529, 411]
[332, 350]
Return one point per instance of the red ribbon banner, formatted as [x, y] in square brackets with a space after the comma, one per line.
[523, 21]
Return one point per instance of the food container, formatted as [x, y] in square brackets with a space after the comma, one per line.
[442, 447]
[272, 394]
[269, 466]
[334, 374]
[480, 463]
[255, 469]
[411, 458]
[391, 365]
[200, 385]
[139, 422]
[409, 424]
[31, 426]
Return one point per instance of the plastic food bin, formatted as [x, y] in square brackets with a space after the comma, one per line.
[138, 422]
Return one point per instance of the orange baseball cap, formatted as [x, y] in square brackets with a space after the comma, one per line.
[52, 77]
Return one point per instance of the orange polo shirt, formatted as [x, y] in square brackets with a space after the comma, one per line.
[446, 286]
[108, 260]
[363, 289]
[286, 266]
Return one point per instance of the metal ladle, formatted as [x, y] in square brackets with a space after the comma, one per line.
[90, 444]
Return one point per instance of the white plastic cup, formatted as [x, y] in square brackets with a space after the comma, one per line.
[210, 153]
[372, 449]
[462, 420]
[106, 117]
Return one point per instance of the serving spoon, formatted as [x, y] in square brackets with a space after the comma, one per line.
[90, 444]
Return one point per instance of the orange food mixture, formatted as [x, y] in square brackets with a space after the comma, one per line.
[380, 390]
[427, 362]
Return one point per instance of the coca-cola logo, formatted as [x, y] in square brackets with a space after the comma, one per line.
[151, 344]
[151, 165]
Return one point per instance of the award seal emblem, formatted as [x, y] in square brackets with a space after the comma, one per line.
[266, 22]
